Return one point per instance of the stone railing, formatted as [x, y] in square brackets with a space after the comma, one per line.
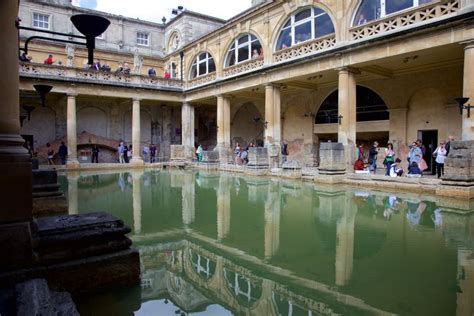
[304, 49]
[419, 14]
[201, 80]
[98, 77]
[245, 66]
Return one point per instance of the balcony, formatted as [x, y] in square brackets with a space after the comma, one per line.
[201, 80]
[394, 22]
[242, 67]
[75, 75]
[305, 48]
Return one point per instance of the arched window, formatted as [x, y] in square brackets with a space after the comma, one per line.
[303, 26]
[244, 48]
[369, 107]
[202, 65]
[370, 10]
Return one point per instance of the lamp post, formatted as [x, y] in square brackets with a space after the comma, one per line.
[339, 119]
[42, 90]
[461, 101]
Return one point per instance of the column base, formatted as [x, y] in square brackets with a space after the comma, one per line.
[225, 154]
[137, 161]
[72, 163]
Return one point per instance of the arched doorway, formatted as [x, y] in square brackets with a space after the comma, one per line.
[247, 125]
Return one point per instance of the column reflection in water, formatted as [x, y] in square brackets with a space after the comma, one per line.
[345, 240]
[272, 220]
[223, 207]
[137, 201]
[72, 179]
[188, 199]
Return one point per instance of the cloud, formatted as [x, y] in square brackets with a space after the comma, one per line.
[154, 10]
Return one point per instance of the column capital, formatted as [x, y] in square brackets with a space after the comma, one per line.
[348, 69]
[468, 44]
[136, 99]
[71, 95]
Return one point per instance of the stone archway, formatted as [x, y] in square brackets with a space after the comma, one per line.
[42, 126]
[92, 120]
[246, 125]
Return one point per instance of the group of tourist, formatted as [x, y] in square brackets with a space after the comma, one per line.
[242, 154]
[63, 152]
[125, 153]
[415, 159]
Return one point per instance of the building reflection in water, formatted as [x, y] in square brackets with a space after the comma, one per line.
[310, 250]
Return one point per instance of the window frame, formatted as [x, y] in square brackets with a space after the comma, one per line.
[138, 38]
[44, 15]
[292, 25]
[235, 46]
[198, 61]
[383, 11]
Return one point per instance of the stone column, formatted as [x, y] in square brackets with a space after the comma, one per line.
[187, 130]
[346, 133]
[137, 202]
[15, 163]
[223, 128]
[345, 242]
[72, 193]
[71, 131]
[398, 133]
[223, 208]
[188, 199]
[136, 133]
[220, 120]
[227, 122]
[269, 115]
[277, 114]
[468, 91]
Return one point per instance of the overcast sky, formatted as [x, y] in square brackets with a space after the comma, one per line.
[154, 10]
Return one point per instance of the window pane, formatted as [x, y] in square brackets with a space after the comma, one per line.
[202, 69]
[212, 65]
[243, 53]
[318, 11]
[243, 39]
[256, 49]
[193, 72]
[287, 23]
[368, 11]
[425, 1]
[202, 56]
[303, 32]
[323, 26]
[392, 6]
[253, 38]
[284, 40]
[302, 15]
[230, 58]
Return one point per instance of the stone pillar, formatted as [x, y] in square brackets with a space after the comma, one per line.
[136, 133]
[223, 208]
[71, 131]
[187, 130]
[223, 128]
[15, 163]
[277, 114]
[345, 242]
[272, 221]
[468, 91]
[398, 133]
[269, 115]
[137, 202]
[72, 194]
[346, 133]
[188, 199]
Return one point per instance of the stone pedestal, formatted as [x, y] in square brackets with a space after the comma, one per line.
[291, 169]
[210, 160]
[458, 179]
[181, 153]
[332, 159]
[48, 199]
[274, 152]
[258, 161]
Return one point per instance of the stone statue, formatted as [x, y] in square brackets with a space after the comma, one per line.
[137, 62]
[70, 55]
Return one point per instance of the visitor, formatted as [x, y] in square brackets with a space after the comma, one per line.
[126, 69]
[389, 157]
[121, 152]
[167, 75]
[50, 153]
[152, 153]
[440, 155]
[49, 60]
[95, 153]
[360, 152]
[28, 147]
[62, 152]
[362, 20]
[284, 152]
[238, 160]
[373, 157]
[105, 68]
[260, 53]
[448, 144]
[152, 72]
[255, 54]
[421, 146]
[244, 154]
[359, 165]
[96, 65]
[145, 152]
[125, 154]
[414, 170]
[199, 151]
[395, 170]
[119, 69]
[25, 58]
[129, 153]
[415, 153]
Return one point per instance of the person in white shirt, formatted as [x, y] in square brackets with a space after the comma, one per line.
[440, 153]
[395, 170]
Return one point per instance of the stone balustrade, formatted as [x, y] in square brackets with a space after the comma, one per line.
[393, 22]
[201, 80]
[90, 76]
[305, 49]
[245, 66]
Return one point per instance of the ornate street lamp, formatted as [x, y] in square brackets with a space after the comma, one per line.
[89, 25]
[461, 101]
[339, 119]
[43, 90]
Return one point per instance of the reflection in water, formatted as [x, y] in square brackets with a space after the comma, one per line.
[218, 243]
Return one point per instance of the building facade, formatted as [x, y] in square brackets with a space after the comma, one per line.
[297, 72]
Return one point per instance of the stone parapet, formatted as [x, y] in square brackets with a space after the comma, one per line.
[258, 158]
[458, 179]
[332, 159]
[181, 153]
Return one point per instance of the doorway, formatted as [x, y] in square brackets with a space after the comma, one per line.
[429, 139]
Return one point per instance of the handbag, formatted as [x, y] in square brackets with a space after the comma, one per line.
[422, 165]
